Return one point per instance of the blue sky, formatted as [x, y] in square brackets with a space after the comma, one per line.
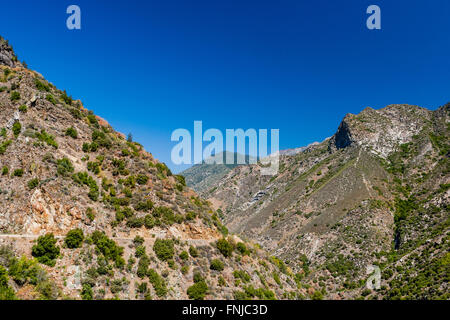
[150, 67]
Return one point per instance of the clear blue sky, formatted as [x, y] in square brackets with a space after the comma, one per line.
[149, 67]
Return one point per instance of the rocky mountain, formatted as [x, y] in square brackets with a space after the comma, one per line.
[203, 177]
[86, 214]
[374, 194]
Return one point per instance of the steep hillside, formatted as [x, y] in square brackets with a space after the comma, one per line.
[87, 214]
[376, 193]
[202, 176]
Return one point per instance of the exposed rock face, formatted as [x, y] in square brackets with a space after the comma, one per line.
[343, 137]
[7, 55]
[380, 131]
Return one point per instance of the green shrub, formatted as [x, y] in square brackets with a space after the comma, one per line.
[51, 99]
[108, 248]
[317, 295]
[16, 128]
[86, 292]
[167, 215]
[6, 292]
[140, 251]
[15, 96]
[198, 290]
[41, 86]
[74, 238]
[250, 292]
[125, 152]
[100, 138]
[225, 247]
[67, 99]
[197, 277]
[143, 264]
[142, 179]
[138, 241]
[5, 170]
[90, 214]
[158, 283]
[144, 205]
[276, 278]
[217, 265]
[130, 181]
[24, 271]
[184, 255]
[93, 167]
[93, 120]
[64, 167]
[190, 216]
[119, 216]
[72, 132]
[242, 248]
[84, 178]
[23, 108]
[221, 282]
[184, 269]
[33, 183]
[119, 167]
[242, 275]
[86, 147]
[181, 180]
[164, 249]
[142, 288]
[46, 251]
[135, 222]
[18, 173]
[47, 138]
[4, 145]
[149, 221]
[193, 251]
[163, 169]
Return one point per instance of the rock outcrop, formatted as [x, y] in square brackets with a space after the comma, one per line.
[7, 55]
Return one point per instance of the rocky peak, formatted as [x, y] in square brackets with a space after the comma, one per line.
[7, 55]
[380, 131]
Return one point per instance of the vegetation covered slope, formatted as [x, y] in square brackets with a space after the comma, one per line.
[376, 193]
[86, 213]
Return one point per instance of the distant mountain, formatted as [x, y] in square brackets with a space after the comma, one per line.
[291, 152]
[201, 177]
